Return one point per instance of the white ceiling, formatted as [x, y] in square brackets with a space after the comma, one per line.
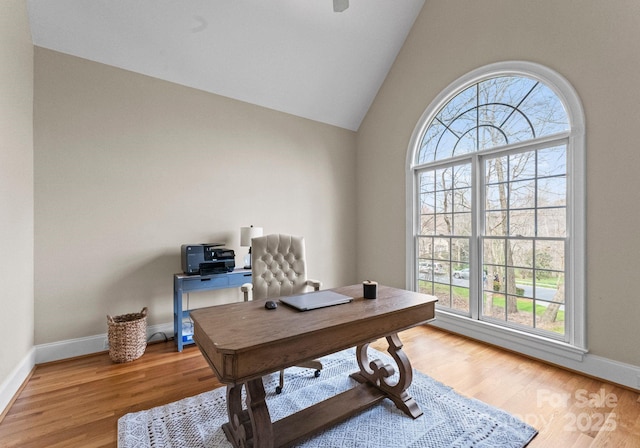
[294, 56]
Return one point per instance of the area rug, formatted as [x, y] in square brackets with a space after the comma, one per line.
[449, 419]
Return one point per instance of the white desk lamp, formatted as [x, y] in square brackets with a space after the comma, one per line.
[246, 233]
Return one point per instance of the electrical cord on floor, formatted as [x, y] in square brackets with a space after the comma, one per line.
[166, 338]
[164, 335]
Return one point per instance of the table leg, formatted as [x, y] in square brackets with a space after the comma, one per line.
[251, 427]
[377, 374]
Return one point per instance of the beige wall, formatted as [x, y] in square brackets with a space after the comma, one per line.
[595, 45]
[16, 187]
[129, 167]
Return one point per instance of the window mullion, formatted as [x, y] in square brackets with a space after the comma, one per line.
[477, 227]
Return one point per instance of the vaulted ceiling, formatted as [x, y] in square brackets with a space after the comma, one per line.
[294, 56]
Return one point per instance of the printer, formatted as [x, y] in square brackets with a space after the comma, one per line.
[207, 258]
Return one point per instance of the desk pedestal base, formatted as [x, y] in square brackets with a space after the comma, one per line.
[253, 428]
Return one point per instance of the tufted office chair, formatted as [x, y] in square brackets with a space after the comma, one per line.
[278, 268]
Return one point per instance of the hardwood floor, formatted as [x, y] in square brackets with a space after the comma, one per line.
[77, 402]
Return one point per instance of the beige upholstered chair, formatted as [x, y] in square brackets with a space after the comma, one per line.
[278, 268]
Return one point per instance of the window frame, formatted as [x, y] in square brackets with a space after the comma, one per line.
[575, 344]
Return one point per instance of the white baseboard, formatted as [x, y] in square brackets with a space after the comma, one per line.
[558, 354]
[11, 385]
[85, 346]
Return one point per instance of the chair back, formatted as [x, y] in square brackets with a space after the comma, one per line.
[278, 266]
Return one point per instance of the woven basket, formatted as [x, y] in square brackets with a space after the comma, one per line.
[127, 336]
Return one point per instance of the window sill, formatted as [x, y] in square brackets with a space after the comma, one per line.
[536, 346]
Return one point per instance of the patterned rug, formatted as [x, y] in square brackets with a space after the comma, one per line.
[449, 420]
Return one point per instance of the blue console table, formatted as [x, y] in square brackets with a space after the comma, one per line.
[187, 283]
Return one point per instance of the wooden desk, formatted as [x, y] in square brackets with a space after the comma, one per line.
[243, 342]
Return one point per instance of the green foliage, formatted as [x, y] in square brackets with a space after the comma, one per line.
[526, 305]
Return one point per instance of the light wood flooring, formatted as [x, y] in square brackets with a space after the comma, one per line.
[77, 402]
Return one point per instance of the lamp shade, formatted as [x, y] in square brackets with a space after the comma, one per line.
[246, 233]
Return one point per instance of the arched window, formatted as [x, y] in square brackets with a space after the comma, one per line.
[496, 210]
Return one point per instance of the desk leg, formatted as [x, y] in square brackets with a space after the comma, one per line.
[377, 374]
[251, 427]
